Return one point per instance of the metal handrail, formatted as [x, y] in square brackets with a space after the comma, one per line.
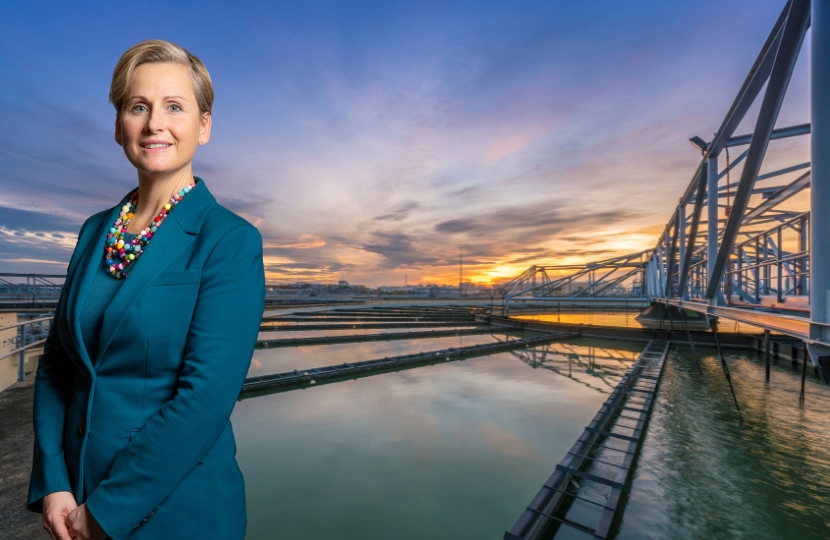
[21, 349]
[22, 340]
[9, 327]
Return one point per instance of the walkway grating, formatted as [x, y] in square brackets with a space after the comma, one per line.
[602, 469]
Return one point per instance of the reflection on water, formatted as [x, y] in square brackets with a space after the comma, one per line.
[449, 451]
[278, 360]
[625, 319]
[704, 475]
[598, 368]
[632, 319]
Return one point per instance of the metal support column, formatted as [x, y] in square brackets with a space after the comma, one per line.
[672, 247]
[688, 247]
[780, 268]
[22, 343]
[820, 187]
[802, 263]
[757, 270]
[681, 238]
[712, 233]
[661, 283]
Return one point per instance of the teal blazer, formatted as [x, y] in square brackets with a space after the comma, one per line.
[142, 432]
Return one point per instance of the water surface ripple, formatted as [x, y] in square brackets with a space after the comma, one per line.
[703, 474]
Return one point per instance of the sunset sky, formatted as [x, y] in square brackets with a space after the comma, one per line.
[369, 140]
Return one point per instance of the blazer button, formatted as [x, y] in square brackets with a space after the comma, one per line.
[82, 429]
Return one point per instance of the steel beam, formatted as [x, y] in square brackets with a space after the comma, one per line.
[753, 83]
[820, 191]
[797, 185]
[791, 40]
[672, 249]
[782, 133]
[681, 238]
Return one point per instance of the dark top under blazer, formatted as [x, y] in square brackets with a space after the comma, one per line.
[142, 432]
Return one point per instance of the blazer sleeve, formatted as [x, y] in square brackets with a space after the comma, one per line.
[220, 344]
[53, 388]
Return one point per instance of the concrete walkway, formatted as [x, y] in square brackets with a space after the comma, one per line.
[16, 439]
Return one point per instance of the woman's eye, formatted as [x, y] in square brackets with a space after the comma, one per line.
[175, 108]
[139, 108]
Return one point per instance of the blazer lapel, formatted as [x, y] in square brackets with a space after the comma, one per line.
[82, 276]
[174, 235]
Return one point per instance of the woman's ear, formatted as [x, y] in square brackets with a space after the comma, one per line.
[118, 138]
[204, 130]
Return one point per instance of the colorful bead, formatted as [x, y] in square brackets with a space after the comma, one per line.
[118, 252]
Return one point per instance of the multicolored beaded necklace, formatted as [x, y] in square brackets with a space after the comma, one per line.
[120, 254]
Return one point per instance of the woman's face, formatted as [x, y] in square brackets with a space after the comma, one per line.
[160, 125]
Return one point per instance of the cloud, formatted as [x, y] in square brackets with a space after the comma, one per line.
[294, 271]
[545, 218]
[38, 240]
[305, 241]
[400, 214]
[37, 220]
[516, 227]
[398, 251]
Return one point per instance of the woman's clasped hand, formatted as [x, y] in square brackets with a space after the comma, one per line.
[63, 519]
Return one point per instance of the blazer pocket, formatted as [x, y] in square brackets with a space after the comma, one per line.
[182, 277]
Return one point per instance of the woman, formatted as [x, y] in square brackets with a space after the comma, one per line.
[153, 334]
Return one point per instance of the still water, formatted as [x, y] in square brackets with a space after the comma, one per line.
[278, 360]
[456, 450]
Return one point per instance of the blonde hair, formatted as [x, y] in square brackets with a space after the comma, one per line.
[154, 51]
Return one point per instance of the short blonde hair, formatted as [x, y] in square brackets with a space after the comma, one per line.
[155, 51]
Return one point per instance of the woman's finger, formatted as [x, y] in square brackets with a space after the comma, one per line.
[56, 529]
[63, 532]
[48, 529]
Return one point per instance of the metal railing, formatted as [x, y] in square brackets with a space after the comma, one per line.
[27, 339]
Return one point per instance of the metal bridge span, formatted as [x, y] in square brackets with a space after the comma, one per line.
[732, 248]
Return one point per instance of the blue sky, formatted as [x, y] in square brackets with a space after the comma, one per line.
[369, 140]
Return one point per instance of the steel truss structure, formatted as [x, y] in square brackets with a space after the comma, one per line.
[620, 278]
[747, 258]
[756, 262]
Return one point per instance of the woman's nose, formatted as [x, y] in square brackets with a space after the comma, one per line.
[155, 121]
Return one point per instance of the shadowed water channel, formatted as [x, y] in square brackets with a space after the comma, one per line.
[457, 450]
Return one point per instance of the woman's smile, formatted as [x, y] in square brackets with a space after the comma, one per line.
[155, 146]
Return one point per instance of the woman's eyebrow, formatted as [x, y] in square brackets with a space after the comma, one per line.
[142, 98]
